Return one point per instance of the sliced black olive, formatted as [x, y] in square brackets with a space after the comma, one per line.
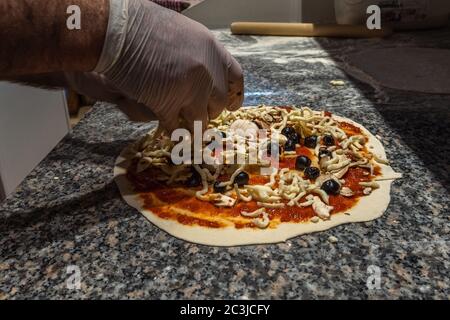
[194, 180]
[224, 135]
[302, 162]
[290, 145]
[331, 186]
[328, 140]
[310, 141]
[312, 172]
[218, 188]
[269, 148]
[288, 131]
[323, 152]
[242, 179]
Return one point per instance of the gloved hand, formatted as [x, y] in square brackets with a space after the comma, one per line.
[175, 5]
[169, 63]
[97, 87]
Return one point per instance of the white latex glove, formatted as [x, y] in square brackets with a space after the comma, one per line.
[97, 87]
[169, 63]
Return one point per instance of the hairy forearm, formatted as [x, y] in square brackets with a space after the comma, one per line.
[35, 39]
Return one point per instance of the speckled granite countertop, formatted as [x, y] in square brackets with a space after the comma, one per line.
[68, 212]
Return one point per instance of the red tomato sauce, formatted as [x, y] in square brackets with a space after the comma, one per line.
[162, 199]
[349, 128]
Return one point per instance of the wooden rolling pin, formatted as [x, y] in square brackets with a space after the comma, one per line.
[307, 30]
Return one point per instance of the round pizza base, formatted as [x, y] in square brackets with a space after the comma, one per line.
[367, 208]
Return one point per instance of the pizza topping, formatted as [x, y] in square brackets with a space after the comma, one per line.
[241, 178]
[380, 160]
[278, 137]
[309, 201]
[324, 152]
[201, 194]
[290, 145]
[273, 175]
[302, 162]
[315, 219]
[328, 140]
[356, 141]
[371, 184]
[263, 221]
[292, 137]
[244, 127]
[253, 214]
[346, 192]
[321, 209]
[233, 176]
[194, 180]
[323, 195]
[310, 142]
[144, 163]
[218, 187]
[240, 195]
[263, 193]
[331, 186]
[270, 205]
[339, 163]
[288, 132]
[261, 217]
[295, 137]
[224, 201]
[312, 173]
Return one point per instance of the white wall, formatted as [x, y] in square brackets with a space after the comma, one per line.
[220, 13]
[32, 122]
[318, 11]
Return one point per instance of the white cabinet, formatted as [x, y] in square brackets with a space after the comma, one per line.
[32, 122]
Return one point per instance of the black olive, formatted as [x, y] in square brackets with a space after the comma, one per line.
[310, 141]
[241, 179]
[194, 180]
[224, 135]
[218, 188]
[269, 148]
[328, 140]
[291, 134]
[290, 145]
[295, 136]
[331, 186]
[302, 162]
[288, 131]
[323, 152]
[312, 172]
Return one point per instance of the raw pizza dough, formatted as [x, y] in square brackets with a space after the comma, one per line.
[411, 69]
[368, 208]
